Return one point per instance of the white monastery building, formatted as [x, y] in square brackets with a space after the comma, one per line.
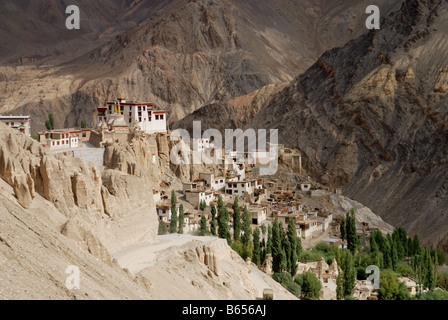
[141, 113]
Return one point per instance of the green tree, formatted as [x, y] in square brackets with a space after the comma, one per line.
[83, 124]
[51, 119]
[48, 124]
[220, 203]
[310, 285]
[173, 222]
[236, 220]
[257, 251]
[223, 224]
[35, 136]
[350, 227]
[340, 287]
[162, 228]
[391, 288]
[430, 280]
[202, 205]
[269, 241]
[342, 229]
[292, 237]
[213, 223]
[203, 225]
[181, 219]
[349, 272]
[394, 256]
[276, 247]
[246, 232]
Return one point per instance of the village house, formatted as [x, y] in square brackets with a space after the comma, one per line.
[334, 241]
[64, 138]
[305, 187]
[241, 188]
[164, 211]
[212, 182]
[191, 222]
[20, 123]
[325, 218]
[295, 208]
[411, 285]
[189, 186]
[309, 227]
[195, 197]
[142, 114]
[258, 214]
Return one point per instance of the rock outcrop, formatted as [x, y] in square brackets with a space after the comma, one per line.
[206, 268]
[111, 208]
[35, 256]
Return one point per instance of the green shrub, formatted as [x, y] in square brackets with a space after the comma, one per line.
[287, 282]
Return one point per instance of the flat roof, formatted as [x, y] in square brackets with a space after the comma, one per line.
[10, 117]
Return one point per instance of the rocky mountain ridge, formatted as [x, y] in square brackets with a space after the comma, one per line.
[179, 54]
[371, 117]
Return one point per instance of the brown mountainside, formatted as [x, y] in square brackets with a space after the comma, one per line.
[372, 116]
[180, 54]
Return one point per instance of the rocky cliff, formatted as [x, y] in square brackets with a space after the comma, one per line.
[117, 208]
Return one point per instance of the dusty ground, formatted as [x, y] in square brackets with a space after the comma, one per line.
[197, 268]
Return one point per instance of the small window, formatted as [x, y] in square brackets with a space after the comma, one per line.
[157, 117]
[161, 117]
[84, 135]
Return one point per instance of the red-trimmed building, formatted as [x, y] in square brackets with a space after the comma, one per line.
[141, 113]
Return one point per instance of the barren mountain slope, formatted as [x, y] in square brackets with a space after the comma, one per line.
[372, 117]
[180, 54]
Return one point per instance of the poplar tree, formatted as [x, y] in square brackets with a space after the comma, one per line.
[173, 222]
[430, 280]
[48, 125]
[276, 247]
[213, 222]
[223, 224]
[236, 220]
[340, 286]
[292, 237]
[203, 225]
[257, 253]
[350, 227]
[269, 241]
[246, 232]
[349, 272]
[51, 120]
[342, 229]
[181, 219]
[394, 256]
